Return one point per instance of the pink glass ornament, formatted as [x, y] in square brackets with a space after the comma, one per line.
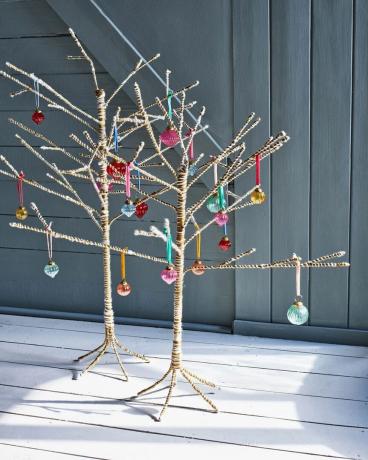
[224, 244]
[170, 137]
[123, 288]
[221, 218]
[110, 187]
[169, 275]
[38, 116]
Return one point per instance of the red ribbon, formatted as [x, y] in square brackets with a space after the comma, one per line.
[20, 188]
[258, 170]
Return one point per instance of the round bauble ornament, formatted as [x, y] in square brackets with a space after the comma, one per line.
[258, 196]
[224, 244]
[297, 313]
[170, 136]
[198, 268]
[192, 168]
[123, 288]
[169, 275]
[51, 269]
[213, 203]
[221, 218]
[116, 169]
[21, 213]
[38, 116]
[128, 209]
[141, 209]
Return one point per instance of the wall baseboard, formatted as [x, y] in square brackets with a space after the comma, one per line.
[39, 313]
[307, 333]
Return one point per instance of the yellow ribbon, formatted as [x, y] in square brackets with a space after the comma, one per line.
[123, 269]
[198, 242]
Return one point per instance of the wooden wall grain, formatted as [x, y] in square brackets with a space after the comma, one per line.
[301, 65]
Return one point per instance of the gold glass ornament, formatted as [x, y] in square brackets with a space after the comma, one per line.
[258, 196]
[21, 213]
[198, 268]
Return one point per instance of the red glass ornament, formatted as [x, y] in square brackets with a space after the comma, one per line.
[123, 288]
[116, 169]
[170, 137]
[169, 275]
[38, 116]
[198, 268]
[141, 209]
[224, 244]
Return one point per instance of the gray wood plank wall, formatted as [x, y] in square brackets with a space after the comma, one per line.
[300, 65]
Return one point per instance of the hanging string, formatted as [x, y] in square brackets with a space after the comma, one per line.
[36, 86]
[20, 188]
[116, 139]
[258, 170]
[225, 229]
[123, 267]
[139, 178]
[215, 173]
[127, 180]
[49, 240]
[191, 146]
[222, 201]
[198, 242]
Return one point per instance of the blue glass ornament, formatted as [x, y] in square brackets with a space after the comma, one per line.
[297, 313]
[51, 269]
[192, 169]
[213, 203]
[128, 209]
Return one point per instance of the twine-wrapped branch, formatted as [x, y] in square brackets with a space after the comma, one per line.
[85, 242]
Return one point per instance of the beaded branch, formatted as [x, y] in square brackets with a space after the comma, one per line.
[100, 155]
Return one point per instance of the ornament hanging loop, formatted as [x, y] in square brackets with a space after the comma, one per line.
[49, 241]
[297, 260]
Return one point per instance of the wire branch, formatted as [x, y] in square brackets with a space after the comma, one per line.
[86, 57]
[139, 66]
[76, 239]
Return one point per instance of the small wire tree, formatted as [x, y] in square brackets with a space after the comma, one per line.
[94, 165]
[228, 166]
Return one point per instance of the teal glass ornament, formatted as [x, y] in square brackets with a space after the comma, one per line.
[213, 203]
[298, 313]
[128, 209]
[51, 269]
[192, 169]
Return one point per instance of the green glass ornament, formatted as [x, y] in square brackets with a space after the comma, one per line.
[213, 203]
[297, 313]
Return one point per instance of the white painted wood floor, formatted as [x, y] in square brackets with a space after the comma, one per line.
[278, 399]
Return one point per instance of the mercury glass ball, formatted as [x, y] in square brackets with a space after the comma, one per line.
[258, 196]
[297, 313]
[21, 213]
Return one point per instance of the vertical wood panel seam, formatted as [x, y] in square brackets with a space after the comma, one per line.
[310, 145]
[271, 159]
[352, 105]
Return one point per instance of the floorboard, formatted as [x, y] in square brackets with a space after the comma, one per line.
[278, 399]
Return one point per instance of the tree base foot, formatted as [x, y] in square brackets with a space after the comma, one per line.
[190, 377]
[113, 343]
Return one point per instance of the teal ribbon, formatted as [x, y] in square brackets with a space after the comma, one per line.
[222, 202]
[169, 97]
[169, 249]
